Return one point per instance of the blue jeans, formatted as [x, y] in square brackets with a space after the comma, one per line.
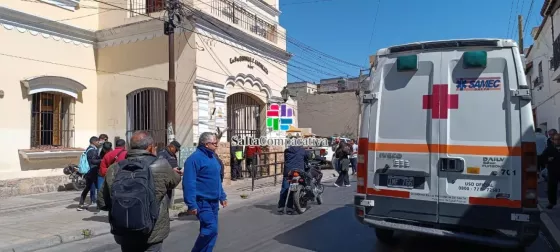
[284, 193]
[353, 163]
[335, 164]
[208, 218]
[100, 181]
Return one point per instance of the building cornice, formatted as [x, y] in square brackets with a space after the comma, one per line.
[233, 36]
[23, 22]
[266, 7]
[70, 5]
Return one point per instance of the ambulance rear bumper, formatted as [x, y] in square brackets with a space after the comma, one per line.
[526, 232]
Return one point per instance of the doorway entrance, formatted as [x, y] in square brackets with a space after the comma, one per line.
[243, 116]
[146, 109]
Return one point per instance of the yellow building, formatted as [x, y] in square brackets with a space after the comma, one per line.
[72, 69]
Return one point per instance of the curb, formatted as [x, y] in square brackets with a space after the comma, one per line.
[55, 240]
[551, 231]
[78, 235]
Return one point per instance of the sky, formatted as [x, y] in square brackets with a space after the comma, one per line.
[341, 29]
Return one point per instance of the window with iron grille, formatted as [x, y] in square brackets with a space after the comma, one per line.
[139, 7]
[539, 81]
[52, 121]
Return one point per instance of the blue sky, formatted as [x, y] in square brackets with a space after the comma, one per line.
[342, 28]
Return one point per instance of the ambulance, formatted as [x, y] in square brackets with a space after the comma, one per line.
[447, 144]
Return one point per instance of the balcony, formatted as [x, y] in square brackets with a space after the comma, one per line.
[140, 7]
[236, 14]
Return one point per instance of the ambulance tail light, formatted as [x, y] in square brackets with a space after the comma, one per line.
[363, 145]
[529, 174]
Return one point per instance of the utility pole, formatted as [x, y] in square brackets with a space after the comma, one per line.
[169, 30]
[520, 27]
[358, 91]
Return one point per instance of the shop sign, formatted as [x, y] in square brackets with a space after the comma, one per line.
[252, 61]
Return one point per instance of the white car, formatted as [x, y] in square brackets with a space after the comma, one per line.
[447, 144]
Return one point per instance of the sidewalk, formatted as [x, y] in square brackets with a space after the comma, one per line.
[550, 218]
[39, 221]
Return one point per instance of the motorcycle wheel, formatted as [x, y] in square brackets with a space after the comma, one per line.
[78, 183]
[300, 202]
[319, 199]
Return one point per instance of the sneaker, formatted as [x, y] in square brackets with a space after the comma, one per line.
[336, 185]
[280, 209]
[347, 185]
[81, 208]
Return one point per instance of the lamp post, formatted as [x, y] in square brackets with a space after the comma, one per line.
[285, 94]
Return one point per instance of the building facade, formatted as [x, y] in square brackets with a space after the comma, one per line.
[75, 69]
[543, 68]
[301, 88]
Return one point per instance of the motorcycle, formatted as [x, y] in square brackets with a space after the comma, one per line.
[78, 179]
[305, 187]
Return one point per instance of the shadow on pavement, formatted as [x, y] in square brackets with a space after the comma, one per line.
[331, 232]
[98, 218]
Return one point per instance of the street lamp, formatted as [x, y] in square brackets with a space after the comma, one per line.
[285, 94]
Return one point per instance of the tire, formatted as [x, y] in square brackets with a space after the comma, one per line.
[384, 235]
[319, 199]
[300, 203]
[78, 183]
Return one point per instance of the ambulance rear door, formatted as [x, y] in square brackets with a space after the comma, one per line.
[402, 168]
[479, 163]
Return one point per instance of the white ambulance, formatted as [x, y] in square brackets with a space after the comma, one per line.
[447, 144]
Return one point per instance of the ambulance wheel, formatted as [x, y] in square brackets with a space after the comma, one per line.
[384, 235]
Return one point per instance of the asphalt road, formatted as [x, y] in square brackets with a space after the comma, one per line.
[258, 227]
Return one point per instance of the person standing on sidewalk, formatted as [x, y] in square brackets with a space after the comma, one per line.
[236, 159]
[106, 147]
[251, 156]
[354, 156]
[552, 155]
[102, 139]
[170, 154]
[116, 155]
[128, 178]
[342, 153]
[93, 159]
[203, 192]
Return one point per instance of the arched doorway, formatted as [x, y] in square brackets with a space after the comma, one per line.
[146, 109]
[243, 116]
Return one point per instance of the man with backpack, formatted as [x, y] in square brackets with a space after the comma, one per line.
[89, 167]
[134, 194]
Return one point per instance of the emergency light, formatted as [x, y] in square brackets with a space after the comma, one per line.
[475, 59]
[407, 63]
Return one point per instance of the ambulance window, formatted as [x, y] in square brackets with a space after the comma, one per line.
[407, 63]
[475, 59]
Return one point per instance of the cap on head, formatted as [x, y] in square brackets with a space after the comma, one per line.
[175, 144]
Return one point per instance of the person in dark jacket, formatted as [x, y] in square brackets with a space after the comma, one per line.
[142, 148]
[91, 177]
[551, 156]
[170, 154]
[295, 157]
[203, 192]
[236, 159]
[342, 153]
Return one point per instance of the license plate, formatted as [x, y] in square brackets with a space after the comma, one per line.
[293, 187]
[400, 182]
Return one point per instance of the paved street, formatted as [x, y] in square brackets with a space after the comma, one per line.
[257, 227]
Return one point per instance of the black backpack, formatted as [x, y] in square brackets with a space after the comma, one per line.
[134, 207]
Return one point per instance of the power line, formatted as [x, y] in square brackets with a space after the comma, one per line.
[194, 10]
[295, 42]
[528, 15]
[374, 22]
[509, 19]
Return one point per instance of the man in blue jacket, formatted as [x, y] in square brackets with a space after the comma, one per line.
[203, 192]
[295, 157]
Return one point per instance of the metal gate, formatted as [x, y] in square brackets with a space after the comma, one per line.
[243, 116]
[146, 109]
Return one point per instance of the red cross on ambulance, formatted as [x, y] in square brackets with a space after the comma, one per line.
[440, 101]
